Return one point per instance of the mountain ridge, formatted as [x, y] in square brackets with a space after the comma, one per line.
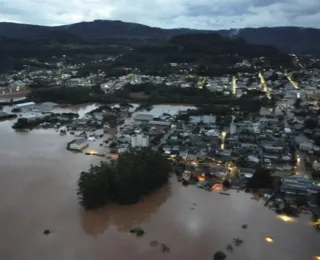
[298, 40]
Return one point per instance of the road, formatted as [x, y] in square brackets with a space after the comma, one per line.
[301, 167]
[164, 138]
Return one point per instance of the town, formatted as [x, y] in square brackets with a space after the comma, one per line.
[273, 147]
[176, 138]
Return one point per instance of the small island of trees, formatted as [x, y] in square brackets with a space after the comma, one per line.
[135, 174]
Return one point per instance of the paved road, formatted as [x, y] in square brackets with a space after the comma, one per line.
[164, 138]
[301, 167]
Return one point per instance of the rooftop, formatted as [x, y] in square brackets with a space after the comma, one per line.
[80, 141]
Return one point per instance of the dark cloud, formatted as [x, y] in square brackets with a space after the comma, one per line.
[202, 14]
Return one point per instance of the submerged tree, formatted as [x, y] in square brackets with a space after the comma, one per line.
[95, 187]
[261, 179]
[136, 173]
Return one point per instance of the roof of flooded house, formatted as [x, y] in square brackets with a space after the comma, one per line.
[80, 141]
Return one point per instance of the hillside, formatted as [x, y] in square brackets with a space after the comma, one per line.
[211, 54]
[289, 39]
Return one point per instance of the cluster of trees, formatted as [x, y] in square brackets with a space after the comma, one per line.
[135, 174]
[214, 54]
[152, 94]
[24, 123]
[66, 95]
[261, 179]
[162, 93]
[311, 123]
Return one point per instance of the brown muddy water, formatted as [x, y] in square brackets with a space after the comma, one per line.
[38, 191]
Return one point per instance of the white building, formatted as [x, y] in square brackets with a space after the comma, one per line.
[139, 140]
[233, 128]
[107, 86]
[24, 105]
[34, 117]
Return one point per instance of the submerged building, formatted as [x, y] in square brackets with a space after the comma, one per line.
[79, 144]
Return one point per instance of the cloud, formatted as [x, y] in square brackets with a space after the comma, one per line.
[201, 14]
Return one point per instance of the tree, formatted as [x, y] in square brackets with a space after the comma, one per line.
[280, 117]
[297, 103]
[260, 179]
[22, 123]
[95, 187]
[136, 173]
[310, 123]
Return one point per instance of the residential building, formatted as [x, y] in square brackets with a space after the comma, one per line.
[24, 105]
[246, 172]
[139, 140]
[79, 144]
[299, 184]
[233, 128]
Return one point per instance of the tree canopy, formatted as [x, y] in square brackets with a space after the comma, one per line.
[261, 179]
[135, 174]
[311, 123]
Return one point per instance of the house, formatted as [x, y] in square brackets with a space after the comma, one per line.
[140, 140]
[159, 123]
[143, 117]
[207, 119]
[246, 172]
[24, 105]
[297, 184]
[220, 171]
[34, 117]
[79, 144]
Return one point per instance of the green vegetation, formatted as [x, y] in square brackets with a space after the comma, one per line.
[211, 55]
[24, 123]
[297, 103]
[135, 174]
[219, 256]
[149, 94]
[311, 123]
[137, 231]
[64, 95]
[261, 179]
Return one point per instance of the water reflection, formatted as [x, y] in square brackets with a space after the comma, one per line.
[124, 217]
[285, 218]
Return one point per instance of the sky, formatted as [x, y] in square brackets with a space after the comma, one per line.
[197, 14]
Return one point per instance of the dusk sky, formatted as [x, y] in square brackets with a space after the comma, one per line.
[199, 14]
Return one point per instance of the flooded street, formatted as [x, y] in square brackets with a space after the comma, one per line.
[38, 181]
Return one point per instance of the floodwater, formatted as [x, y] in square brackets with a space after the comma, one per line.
[38, 180]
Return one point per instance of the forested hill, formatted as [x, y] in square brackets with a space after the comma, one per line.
[289, 39]
[208, 52]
